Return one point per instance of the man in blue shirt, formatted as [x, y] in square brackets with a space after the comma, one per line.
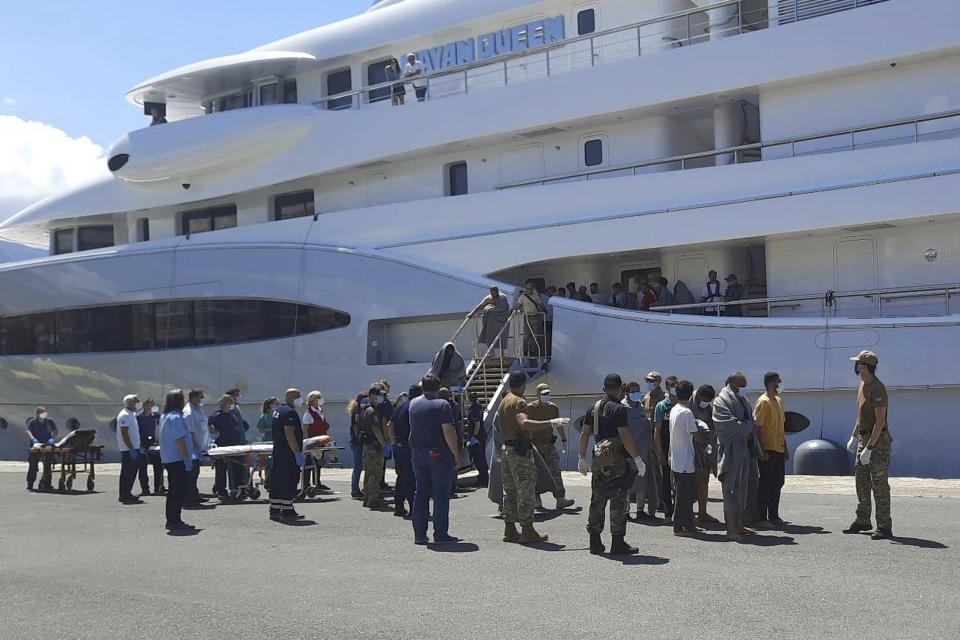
[147, 421]
[401, 455]
[661, 439]
[41, 431]
[435, 453]
[287, 457]
[227, 426]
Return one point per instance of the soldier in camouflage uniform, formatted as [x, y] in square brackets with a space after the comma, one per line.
[612, 474]
[873, 453]
[546, 442]
[518, 467]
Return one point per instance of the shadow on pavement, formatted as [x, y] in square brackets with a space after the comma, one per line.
[799, 529]
[545, 516]
[636, 560]
[918, 542]
[454, 547]
[766, 540]
[297, 523]
[184, 533]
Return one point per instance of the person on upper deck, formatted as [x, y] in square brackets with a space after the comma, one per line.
[398, 92]
[734, 292]
[664, 295]
[496, 313]
[414, 69]
[713, 291]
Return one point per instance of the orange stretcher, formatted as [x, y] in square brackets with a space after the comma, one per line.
[72, 455]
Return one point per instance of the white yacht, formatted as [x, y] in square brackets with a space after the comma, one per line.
[290, 226]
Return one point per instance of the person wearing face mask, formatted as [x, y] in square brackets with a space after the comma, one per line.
[287, 457]
[265, 428]
[228, 430]
[374, 442]
[733, 420]
[771, 421]
[314, 424]
[237, 399]
[702, 407]
[496, 313]
[42, 432]
[147, 422]
[199, 432]
[644, 489]
[871, 440]
[128, 442]
[661, 439]
[545, 440]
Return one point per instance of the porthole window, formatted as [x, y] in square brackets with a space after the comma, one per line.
[586, 22]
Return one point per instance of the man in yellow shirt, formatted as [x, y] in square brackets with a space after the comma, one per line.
[770, 418]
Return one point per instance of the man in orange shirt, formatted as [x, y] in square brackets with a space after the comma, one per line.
[771, 419]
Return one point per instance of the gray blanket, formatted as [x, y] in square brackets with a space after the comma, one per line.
[733, 421]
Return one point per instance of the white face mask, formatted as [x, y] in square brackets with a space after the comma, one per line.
[155, 410]
[704, 405]
[297, 403]
[138, 406]
[202, 402]
[43, 416]
[321, 402]
[545, 398]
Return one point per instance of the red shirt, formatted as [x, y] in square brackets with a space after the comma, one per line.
[319, 426]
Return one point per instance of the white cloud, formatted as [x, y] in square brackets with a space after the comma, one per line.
[9, 100]
[38, 160]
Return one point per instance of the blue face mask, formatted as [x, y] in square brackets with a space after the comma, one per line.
[636, 396]
[651, 385]
[545, 398]
[742, 393]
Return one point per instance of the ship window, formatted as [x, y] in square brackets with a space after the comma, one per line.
[457, 179]
[290, 91]
[210, 219]
[235, 101]
[270, 93]
[146, 326]
[63, 241]
[376, 74]
[293, 205]
[586, 22]
[143, 229]
[339, 82]
[593, 152]
[94, 237]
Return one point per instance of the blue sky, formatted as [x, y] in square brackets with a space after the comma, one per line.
[67, 63]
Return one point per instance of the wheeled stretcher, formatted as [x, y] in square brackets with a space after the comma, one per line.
[74, 453]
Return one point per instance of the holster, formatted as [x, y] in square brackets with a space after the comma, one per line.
[611, 472]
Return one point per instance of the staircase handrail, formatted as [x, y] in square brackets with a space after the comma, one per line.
[493, 343]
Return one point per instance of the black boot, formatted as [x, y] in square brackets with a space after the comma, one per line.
[596, 545]
[882, 534]
[856, 527]
[619, 547]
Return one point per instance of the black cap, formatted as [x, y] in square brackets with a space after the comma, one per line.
[612, 380]
[517, 379]
[732, 276]
[376, 390]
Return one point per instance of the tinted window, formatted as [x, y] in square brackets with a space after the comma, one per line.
[289, 91]
[143, 229]
[457, 179]
[146, 326]
[293, 205]
[211, 219]
[339, 82]
[95, 237]
[270, 93]
[586, 22]
[376, 74]
[593, 152]
[63, 241]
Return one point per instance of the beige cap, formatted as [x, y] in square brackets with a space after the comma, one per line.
[866, 357]
[543, 388]
[653, 375]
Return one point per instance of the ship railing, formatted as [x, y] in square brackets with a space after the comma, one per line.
[828, 301]
[934, 126]
[696, 25]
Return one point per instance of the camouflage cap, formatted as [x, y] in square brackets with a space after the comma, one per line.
[543, 388]
[866, 357]
[653, 375]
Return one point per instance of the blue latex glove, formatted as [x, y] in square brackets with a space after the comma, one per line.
[52, 441]
[188, 463]
[387, 449]
[143, 450]
[473, 442]
[300, 460]
[134, 454]
[34, 441]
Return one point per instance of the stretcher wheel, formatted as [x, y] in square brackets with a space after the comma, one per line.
[253, 493]
[62, 485]
[237, 495]
[311, 492]
[89, 484]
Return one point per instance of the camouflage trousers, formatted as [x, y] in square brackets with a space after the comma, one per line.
[519, 486]
[607, 459]
[874, 477]
[372, 473]
[552, 459]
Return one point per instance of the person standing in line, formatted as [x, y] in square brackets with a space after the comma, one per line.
[355, 410]
[683, 432]
[413, 72]
[661, 438]
[435, 454]
[42, 432]
[128, 442]
[613, 476]
[713, 291]
[873, 453]
[398, 92]
[374, 445]
[644, 487]
[518, 467]
[477, 445]
[405, 488]
[199, 430]
[702, 407]
[147, 422]
[385, 413]
[771, 430]
[733, 420]
[287, 457]
[650, 401]
[545, 442]
[174, 439]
